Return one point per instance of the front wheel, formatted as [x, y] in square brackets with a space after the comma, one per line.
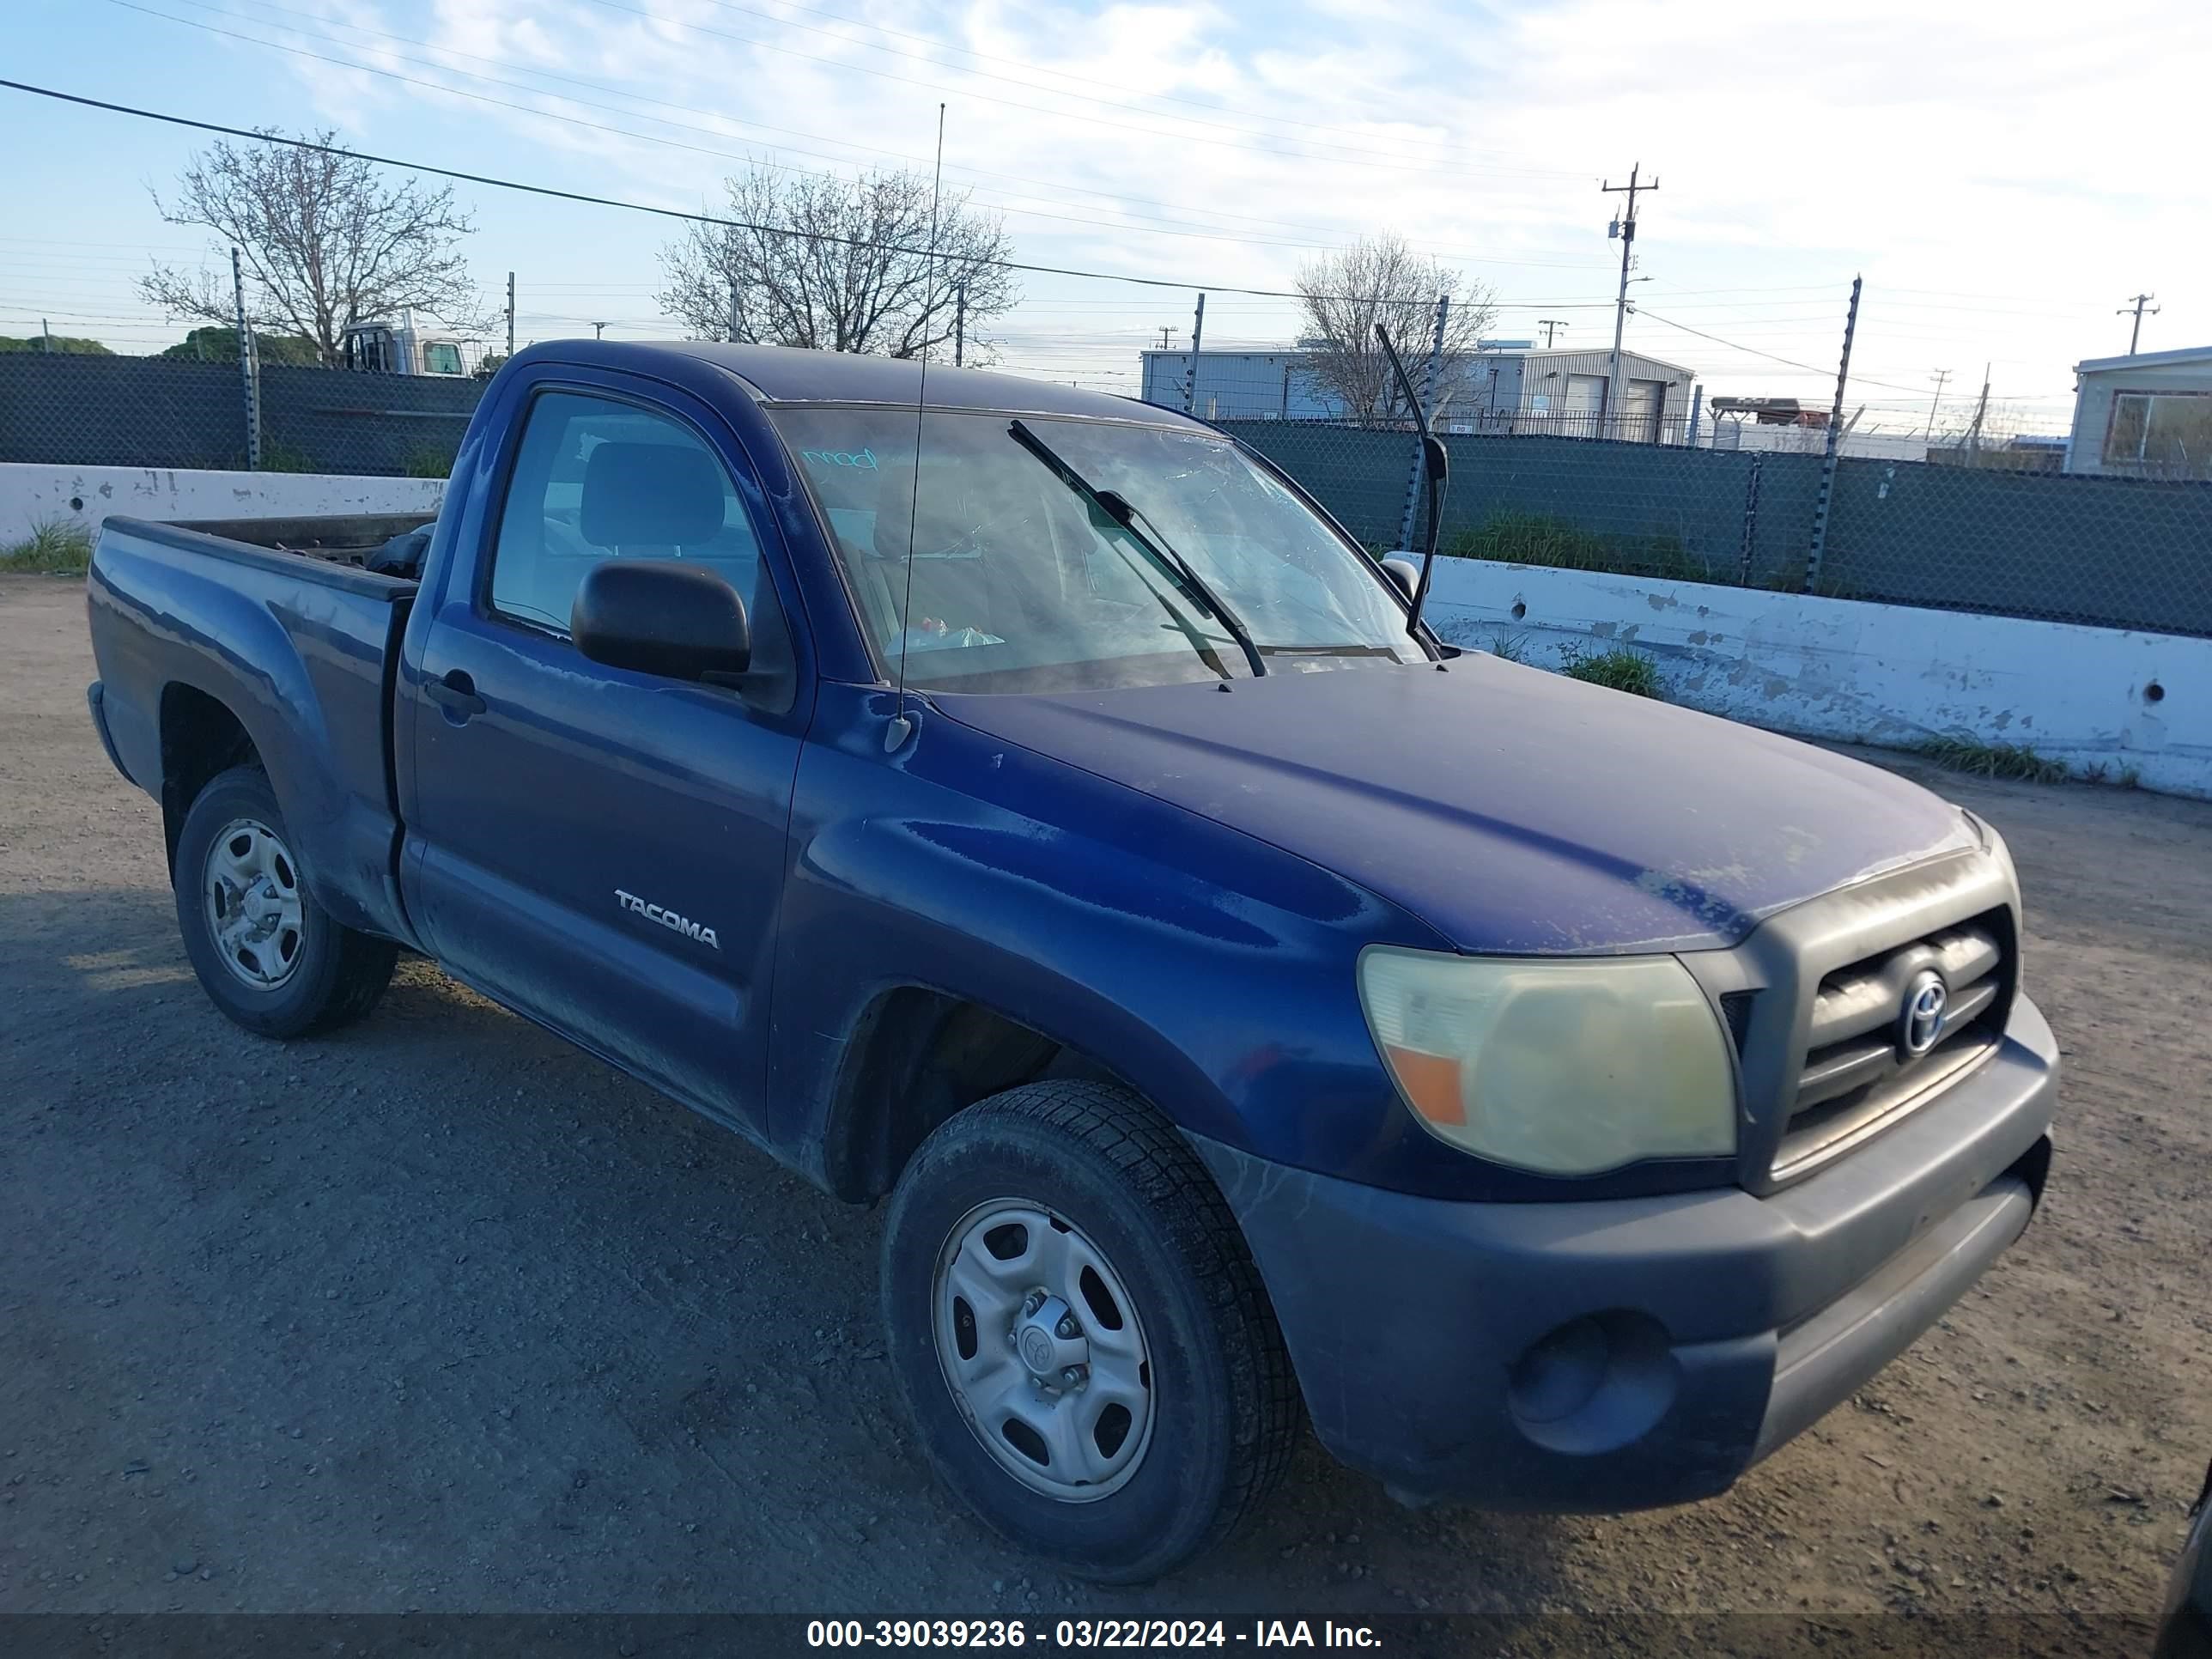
[1080, 1334]
[265, 952]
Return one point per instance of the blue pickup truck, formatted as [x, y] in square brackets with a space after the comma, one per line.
[1031, 810]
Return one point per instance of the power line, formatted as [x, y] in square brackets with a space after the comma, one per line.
[589, 200]
[1790, 363]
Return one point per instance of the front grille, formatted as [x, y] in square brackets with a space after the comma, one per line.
[1854, 1074]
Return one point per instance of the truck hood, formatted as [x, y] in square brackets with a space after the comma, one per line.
[1512, 810]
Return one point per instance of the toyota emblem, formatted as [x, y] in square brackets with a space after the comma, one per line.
[1036, 1350]
[1921, 1021]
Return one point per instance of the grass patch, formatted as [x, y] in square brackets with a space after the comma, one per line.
[1789, 577]
[1993, 760]
[429, 462]
[1620, 669]
[54, 548]
[1561, 544]
[1509, 648]
[277, 456]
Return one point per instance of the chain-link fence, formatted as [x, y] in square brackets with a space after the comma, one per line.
[1974, 530]
[160, 412]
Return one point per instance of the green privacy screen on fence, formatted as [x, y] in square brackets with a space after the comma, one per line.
[160, 412]
[2110, 552]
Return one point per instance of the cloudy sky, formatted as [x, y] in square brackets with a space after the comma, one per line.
[2003, 176]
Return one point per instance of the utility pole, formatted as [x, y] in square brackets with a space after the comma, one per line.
[46, 334]
[510, 313]
[1828, 457]
[2136, 305]
[246, 375]
[1974, 432]
[599, 331]
[733, 310]
[1547, 324]
[1166, 334]
[1626, 225]
[1941, 375]
[1190, 380]
[959, 324]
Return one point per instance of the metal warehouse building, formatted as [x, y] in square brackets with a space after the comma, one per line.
[1505, 389]
[1566, 393]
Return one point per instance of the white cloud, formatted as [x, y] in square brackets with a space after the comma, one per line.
[1998, 173]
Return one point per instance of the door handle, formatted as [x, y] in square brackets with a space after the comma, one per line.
[456, 693]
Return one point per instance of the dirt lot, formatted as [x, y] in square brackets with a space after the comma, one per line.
[437, 1313]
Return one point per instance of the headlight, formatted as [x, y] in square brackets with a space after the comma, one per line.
[1566, 1067]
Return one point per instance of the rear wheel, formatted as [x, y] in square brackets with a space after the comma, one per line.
[265, 952]
[1079, 1332]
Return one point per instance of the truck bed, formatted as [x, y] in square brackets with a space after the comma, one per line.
[337, 538]
[296, 646]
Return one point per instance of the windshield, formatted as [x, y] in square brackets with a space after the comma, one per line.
[1021, 583]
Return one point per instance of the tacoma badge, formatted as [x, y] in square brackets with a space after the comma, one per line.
[682, 925]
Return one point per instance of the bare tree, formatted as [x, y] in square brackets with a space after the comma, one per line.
[327, 244]
[1381, 280]
[838, 265]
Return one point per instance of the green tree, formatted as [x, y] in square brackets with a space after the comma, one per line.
[67, 344]
[220, 345]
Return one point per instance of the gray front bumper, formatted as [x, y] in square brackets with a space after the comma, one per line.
[1628, 1353]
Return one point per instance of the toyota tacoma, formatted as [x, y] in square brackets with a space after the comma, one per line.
[1027, 807]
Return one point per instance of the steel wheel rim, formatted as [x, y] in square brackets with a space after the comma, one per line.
[1068, 1416]
[250, 895]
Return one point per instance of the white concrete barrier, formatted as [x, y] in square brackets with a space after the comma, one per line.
[31, 493]
[2106, 704]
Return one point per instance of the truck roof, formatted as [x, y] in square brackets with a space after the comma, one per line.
[780, 374]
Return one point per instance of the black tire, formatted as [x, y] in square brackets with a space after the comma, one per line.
[336, 974]
[1226, 1413]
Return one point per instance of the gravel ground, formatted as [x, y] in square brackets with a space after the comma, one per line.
[439, 1314]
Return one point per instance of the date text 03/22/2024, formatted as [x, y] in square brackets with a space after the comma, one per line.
[1085, 1633]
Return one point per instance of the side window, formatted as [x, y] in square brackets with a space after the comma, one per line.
[442, 359]
[595, 479]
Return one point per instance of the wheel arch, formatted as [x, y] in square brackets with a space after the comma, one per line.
[916, 1056]
[202, 738]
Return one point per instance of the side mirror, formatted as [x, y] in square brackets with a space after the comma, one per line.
[1436, 459]
[1406, 574]
[661, 616]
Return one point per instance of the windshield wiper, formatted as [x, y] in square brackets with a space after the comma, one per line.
[1155, 546]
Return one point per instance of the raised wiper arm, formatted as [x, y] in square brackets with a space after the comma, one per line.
[1156, 547]
[1436, 463]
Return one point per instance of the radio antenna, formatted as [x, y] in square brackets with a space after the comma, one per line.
[901, 725]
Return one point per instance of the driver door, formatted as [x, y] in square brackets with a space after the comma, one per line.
[599, 848]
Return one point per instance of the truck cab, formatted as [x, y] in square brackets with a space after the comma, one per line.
[382, 348]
